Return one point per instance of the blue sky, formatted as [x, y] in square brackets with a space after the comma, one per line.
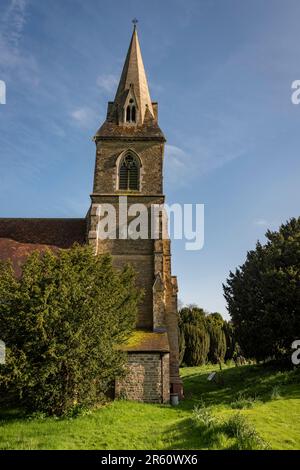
[221, 71]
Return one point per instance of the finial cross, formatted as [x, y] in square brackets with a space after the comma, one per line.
[135, 22]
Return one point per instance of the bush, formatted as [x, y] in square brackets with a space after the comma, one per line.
[245, 434]
[236, 427]
[203, 416]
[63, 322]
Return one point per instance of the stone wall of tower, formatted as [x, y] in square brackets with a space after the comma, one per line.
[151, 259]
[139, 253]
[108, 153]
[147, 378]
[162, 266]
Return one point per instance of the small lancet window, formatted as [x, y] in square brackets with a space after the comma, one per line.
[128, 111]
[131, 111]
[133, 114]
[129, 173]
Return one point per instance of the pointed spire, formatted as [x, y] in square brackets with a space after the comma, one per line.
[133, 80]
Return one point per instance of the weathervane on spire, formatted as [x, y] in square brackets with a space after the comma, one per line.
[134, 22]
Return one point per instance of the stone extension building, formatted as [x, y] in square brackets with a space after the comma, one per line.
[129, 162]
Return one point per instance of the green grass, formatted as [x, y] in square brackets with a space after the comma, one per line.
[129, 425]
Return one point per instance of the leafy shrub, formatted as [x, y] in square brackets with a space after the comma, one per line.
[63, 322]
[203, 416]
[236, 427]
[245, 434]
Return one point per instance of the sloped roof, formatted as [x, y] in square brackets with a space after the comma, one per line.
[147, 341]
[20, 237]
[62, 233]
[16, 252]
[149, 130]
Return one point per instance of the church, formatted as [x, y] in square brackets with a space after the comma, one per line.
[129, 162]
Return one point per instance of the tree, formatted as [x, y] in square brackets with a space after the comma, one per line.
[196, 344]
[192, 326]
[231, 345]
[263, 295]
[63, 322]
[217, 349]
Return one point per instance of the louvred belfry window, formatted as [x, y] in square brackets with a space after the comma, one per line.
[131, 112]
[129, 173]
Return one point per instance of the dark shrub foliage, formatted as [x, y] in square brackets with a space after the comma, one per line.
[62, 323]
[263, 295]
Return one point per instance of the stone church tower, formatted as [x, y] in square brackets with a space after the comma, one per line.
[129, 162]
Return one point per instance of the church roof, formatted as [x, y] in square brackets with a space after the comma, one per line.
[62, 233]
[147, 341]
[149, 130]
[20, 237]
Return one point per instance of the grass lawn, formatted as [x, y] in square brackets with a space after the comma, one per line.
[129, 425]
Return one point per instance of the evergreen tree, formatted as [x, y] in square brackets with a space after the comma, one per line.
[192, 326]
[217, 349]
[263, 295]
[196, 344]
[231, 345]
[63, 322]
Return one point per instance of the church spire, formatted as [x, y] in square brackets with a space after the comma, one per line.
[133, 98]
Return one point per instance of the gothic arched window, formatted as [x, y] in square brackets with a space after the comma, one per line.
[131, 111]
[129, 172]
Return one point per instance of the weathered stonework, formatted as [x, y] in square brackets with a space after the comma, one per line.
[152, 371]
[147, 378]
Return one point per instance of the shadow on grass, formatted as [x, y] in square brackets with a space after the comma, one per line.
[257, 381]
[12, 414]
[188, 436]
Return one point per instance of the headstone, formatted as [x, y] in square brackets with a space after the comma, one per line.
[2, 352]
[211, 376]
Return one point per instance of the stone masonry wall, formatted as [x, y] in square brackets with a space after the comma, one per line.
[147, 378]
[139, 253]
[150, 154]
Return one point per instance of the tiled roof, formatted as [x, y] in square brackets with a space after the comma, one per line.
[20, 237]
[62, 233]
[18, 252]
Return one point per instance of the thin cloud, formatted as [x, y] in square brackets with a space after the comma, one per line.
[261, 223]
[84, 116]
[107, 83]
[13, 58]
[225, 141]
